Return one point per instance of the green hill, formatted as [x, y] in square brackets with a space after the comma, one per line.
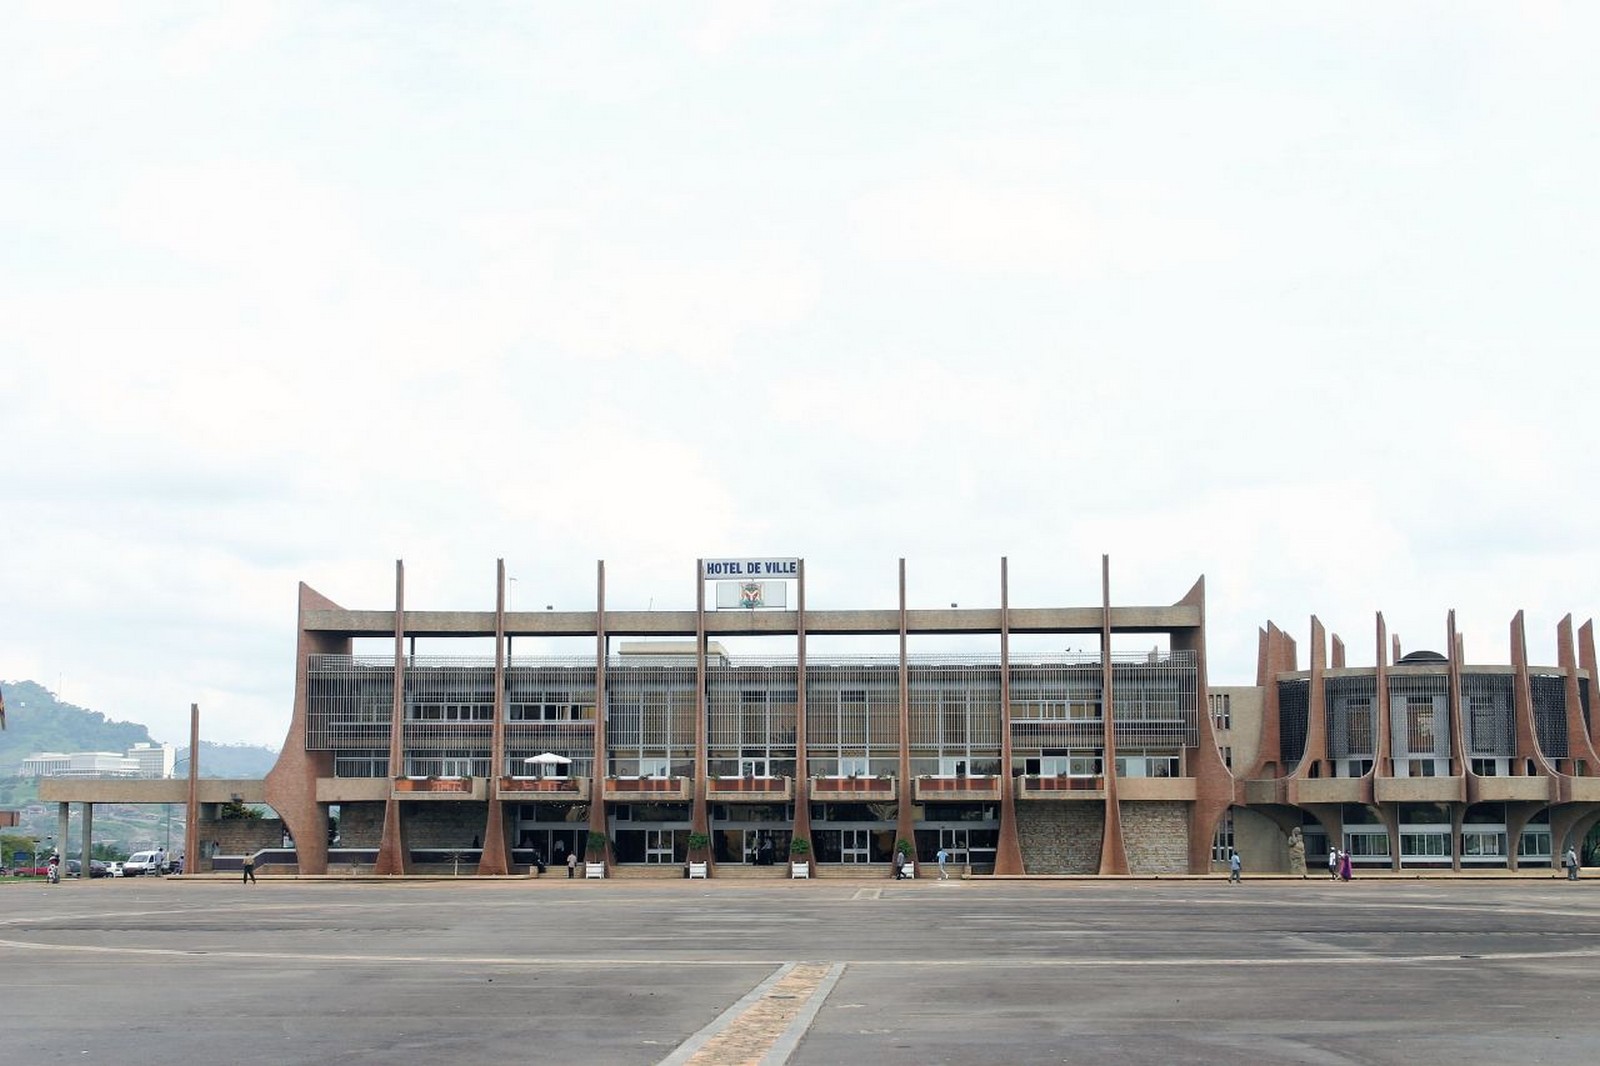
[37, 721]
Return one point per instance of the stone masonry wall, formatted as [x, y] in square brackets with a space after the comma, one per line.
[1156, 836]
[1060, 838]
[236, 836]
[360, 825]
[445, 824]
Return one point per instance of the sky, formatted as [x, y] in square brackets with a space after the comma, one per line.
[1298, 297]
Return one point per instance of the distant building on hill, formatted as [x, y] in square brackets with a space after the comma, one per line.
[142, 760]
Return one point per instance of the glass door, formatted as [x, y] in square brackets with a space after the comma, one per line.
[954, 841]
[855, 845]
[658, 846]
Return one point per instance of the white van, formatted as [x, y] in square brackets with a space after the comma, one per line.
[142, 862]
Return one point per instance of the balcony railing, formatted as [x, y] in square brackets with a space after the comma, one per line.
[956, 788]
[847, 788]
[751, 789]
[644, 789]
[1061, 787]
[535, 788]
[441, 787]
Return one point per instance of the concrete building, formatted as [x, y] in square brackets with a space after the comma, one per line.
[1083, 763]
[143, 760]
[656, 743]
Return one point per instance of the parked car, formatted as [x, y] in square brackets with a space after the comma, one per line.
[113, 869]
[142, 862]
[96, 868]
[173, 866]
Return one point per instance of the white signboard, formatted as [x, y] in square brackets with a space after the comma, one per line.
[772, 569]
[751, 595]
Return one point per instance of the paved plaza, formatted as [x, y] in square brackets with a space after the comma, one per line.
[832, 971]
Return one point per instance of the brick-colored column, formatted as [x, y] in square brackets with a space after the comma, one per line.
[802, 770]
[905, 829]
[1008, 849]
[1383, 748]
[597, 773]
[699, 817]
[1579, 749]
[1113, 852]
[493, 860]
[1458, 739]
[1214, 783]
[291, 785]
[391, 847]
[1314, 756]
[191, 806]
[1586, 656]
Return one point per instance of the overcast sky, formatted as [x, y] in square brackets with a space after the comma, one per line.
[1300, 297]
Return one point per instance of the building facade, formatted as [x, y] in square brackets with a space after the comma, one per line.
[660, 747]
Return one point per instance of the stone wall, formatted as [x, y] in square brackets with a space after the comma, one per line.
[442, 824]
[360, 825]
[1156, 836]
[236, 836]
[1060, 838]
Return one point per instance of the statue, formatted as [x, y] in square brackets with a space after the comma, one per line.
[1297, 852]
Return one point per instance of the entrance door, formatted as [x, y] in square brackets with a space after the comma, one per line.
[855, 845]
[658, 846]
[954, 841]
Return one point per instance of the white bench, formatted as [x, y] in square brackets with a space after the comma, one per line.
[800, 869]
[594, 869]
[698, 869]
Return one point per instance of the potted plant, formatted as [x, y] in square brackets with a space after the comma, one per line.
[699, 844]
[799, 857]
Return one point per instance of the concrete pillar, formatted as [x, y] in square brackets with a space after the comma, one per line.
[88, 835]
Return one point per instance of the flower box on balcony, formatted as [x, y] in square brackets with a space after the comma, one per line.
[539, 784]
[433, 784]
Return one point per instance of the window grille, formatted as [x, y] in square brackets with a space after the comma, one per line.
[1489, 721]
[350, 702]
[1419, 716]
[853, 716]
[750, 720]
[1350, 703]
[550, 707]
[1294, 704]
[650, 718]
[1550, 713]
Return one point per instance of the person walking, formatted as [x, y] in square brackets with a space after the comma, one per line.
[572, 864]
[249, 868]
[1344, 866]
[943, 874]
[1333, 862]
[1570, 861]
[1235, 867]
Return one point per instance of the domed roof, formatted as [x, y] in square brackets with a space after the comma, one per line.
[1418, 657]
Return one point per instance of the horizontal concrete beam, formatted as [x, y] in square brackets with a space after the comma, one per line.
[754, 623]
[166, 790]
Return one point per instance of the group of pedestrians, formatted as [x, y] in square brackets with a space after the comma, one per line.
[1338, 864]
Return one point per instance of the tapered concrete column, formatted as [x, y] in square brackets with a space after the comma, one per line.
[87, 809]
[699, 816]
[63, 820]
[905, 828]
[391, 847]
[1113, 852]
[493, 859]
[1458, 740]
[1314, 756]
[1580, 753]
[1214, 782]
[191, 806]
[1008, 849]
[802, 769]
[597, 772]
